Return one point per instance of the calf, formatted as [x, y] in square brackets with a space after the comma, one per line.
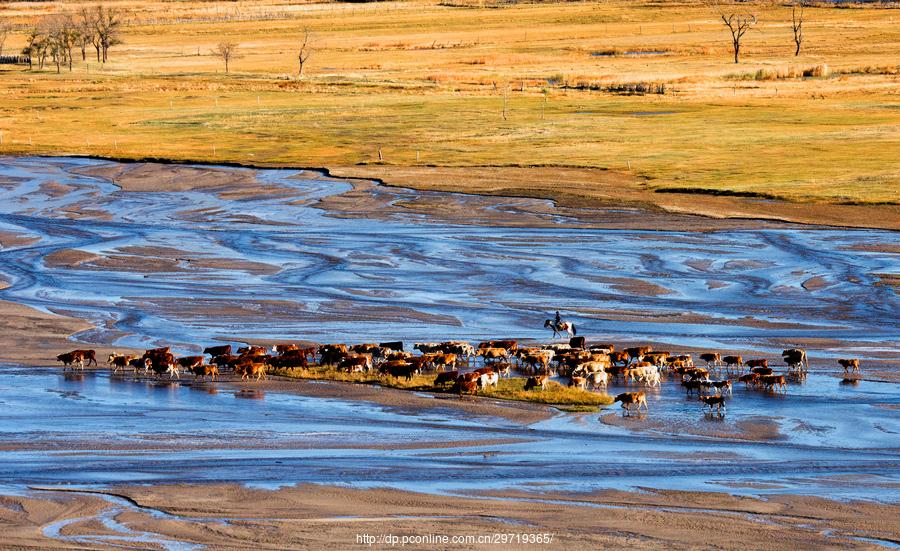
[850, 365]
[773, 382]
[632, 399]
[252, 370]
[203, 371]
[757, 363]
[502, 368]
[762, 370]
[578, 382]
[717, 402]
[488, 379]
[598, 379]
[537, 381]
[71, 359]
[749, 379]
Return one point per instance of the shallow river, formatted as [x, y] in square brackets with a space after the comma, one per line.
[278, 266]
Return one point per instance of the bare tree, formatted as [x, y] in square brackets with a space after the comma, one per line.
[53, 31]
[106, 23]
[33, 41]
[87, 32]
[797, 25]
[227, 51]
[305, 52]
[738, 24]
[63, 34]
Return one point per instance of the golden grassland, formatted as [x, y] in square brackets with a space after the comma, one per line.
[513, 388]
[462, 85]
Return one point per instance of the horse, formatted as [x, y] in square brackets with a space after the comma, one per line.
[559, 328]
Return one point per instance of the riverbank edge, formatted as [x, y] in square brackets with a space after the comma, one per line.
[701, 203]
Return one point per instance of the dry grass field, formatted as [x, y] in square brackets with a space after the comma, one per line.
[433, 85]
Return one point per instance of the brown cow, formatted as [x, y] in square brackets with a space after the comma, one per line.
[733, 361]
[213, 351]
[120, 361]
[711, 358]
[280, 349]
[331, 354]
[538, 381]
[446, 377]
[190, 362]
[293, 358]
[604, 348]
[493, 354]
[757, 363]
[443, 360]
[636, 353]
[356, 364]
[762, 370]
[508, 344]
[578, 382]
[466, 386]
[90, 356]
[849, 364]
[620, 357]
[253, 350]
[692, 385]
[630, 399]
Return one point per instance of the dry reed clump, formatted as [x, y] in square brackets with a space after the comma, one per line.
[872, 70]
[781, 73]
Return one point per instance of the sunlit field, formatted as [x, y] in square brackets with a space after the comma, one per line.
[412, 84]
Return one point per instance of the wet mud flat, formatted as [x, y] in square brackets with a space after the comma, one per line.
[108, 459]
[268, 255]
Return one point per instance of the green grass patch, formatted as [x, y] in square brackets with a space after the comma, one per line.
[564, 398]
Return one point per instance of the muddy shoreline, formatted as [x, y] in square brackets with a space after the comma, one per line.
[748, 214]
[327, 517]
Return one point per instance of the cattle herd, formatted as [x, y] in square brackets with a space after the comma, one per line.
[466, 369]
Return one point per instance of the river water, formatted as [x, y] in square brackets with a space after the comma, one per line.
[277, 266]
